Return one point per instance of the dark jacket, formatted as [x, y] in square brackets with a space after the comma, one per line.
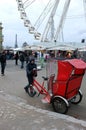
[21, 57]
[3, 58]
[30, 69]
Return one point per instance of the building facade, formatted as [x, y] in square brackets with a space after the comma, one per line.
[1, 37]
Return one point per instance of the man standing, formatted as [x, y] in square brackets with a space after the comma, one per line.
[22, 58]
[3, 62]
[16, 58]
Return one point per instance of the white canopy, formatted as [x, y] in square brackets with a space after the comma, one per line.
[18, 49]
[26, 48]
[82, 48]
[34, 47]
[62, 47]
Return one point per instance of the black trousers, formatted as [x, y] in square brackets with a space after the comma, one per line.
[3, 67]
[30, 80]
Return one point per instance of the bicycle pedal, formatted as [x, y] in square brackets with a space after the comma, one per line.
[38, 95]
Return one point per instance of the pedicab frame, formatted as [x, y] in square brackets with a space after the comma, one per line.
[64, 87]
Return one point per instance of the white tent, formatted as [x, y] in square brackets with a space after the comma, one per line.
[44, 45]
[62, 47]
[37, 47]
[18, 49]
[26, 48]
[82, 48]
[33, 47]
[58, 45]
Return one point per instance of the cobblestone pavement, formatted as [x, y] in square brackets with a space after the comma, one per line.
[15, 114]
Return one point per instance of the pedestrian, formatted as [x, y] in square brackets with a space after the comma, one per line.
[31, 72]
[16, 58]
[68, 55]
[75, 53]
[27, 58]
[3, 62]
[22, 58]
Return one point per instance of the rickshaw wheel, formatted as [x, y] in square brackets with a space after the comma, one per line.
[77, 99]
[31, 91]
[59, 105]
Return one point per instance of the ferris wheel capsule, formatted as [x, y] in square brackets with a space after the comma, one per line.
[37, 36]
[23, 15]
[31, 30]
[27, 23]
[19, 0]
[20, 7]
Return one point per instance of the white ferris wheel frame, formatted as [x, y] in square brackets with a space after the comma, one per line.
[52, 4]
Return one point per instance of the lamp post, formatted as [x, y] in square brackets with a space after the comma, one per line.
[16, 45]
[1, 37]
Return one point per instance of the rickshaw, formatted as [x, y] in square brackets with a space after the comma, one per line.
[63, 88]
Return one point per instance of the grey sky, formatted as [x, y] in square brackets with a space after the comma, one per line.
[74, 29]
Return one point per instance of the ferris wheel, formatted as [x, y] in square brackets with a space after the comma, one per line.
[40, 17]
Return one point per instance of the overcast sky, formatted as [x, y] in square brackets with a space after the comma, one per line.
[74, 29]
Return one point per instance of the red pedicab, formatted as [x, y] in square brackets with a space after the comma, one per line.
[65, 86]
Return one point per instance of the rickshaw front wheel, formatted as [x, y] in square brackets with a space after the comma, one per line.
[60, 105]
[31, 91]
[77, 99]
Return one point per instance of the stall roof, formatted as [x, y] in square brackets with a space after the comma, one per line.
[63, 47]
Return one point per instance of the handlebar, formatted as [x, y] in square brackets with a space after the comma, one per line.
[45, 78]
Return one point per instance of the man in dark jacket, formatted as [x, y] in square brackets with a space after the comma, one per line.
[22, 58]
[16, 58]
[30, 72]
[3, 62]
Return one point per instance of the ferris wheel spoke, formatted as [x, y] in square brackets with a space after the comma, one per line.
[84, 4]
[65, 9]
[28, 3]
[44, 14]
[50, 20]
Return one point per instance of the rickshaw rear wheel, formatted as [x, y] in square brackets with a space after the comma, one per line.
[60, 105]
[31, 91]
[77, 99]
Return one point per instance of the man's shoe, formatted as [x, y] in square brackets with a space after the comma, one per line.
[26, 90]
[2, 74]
